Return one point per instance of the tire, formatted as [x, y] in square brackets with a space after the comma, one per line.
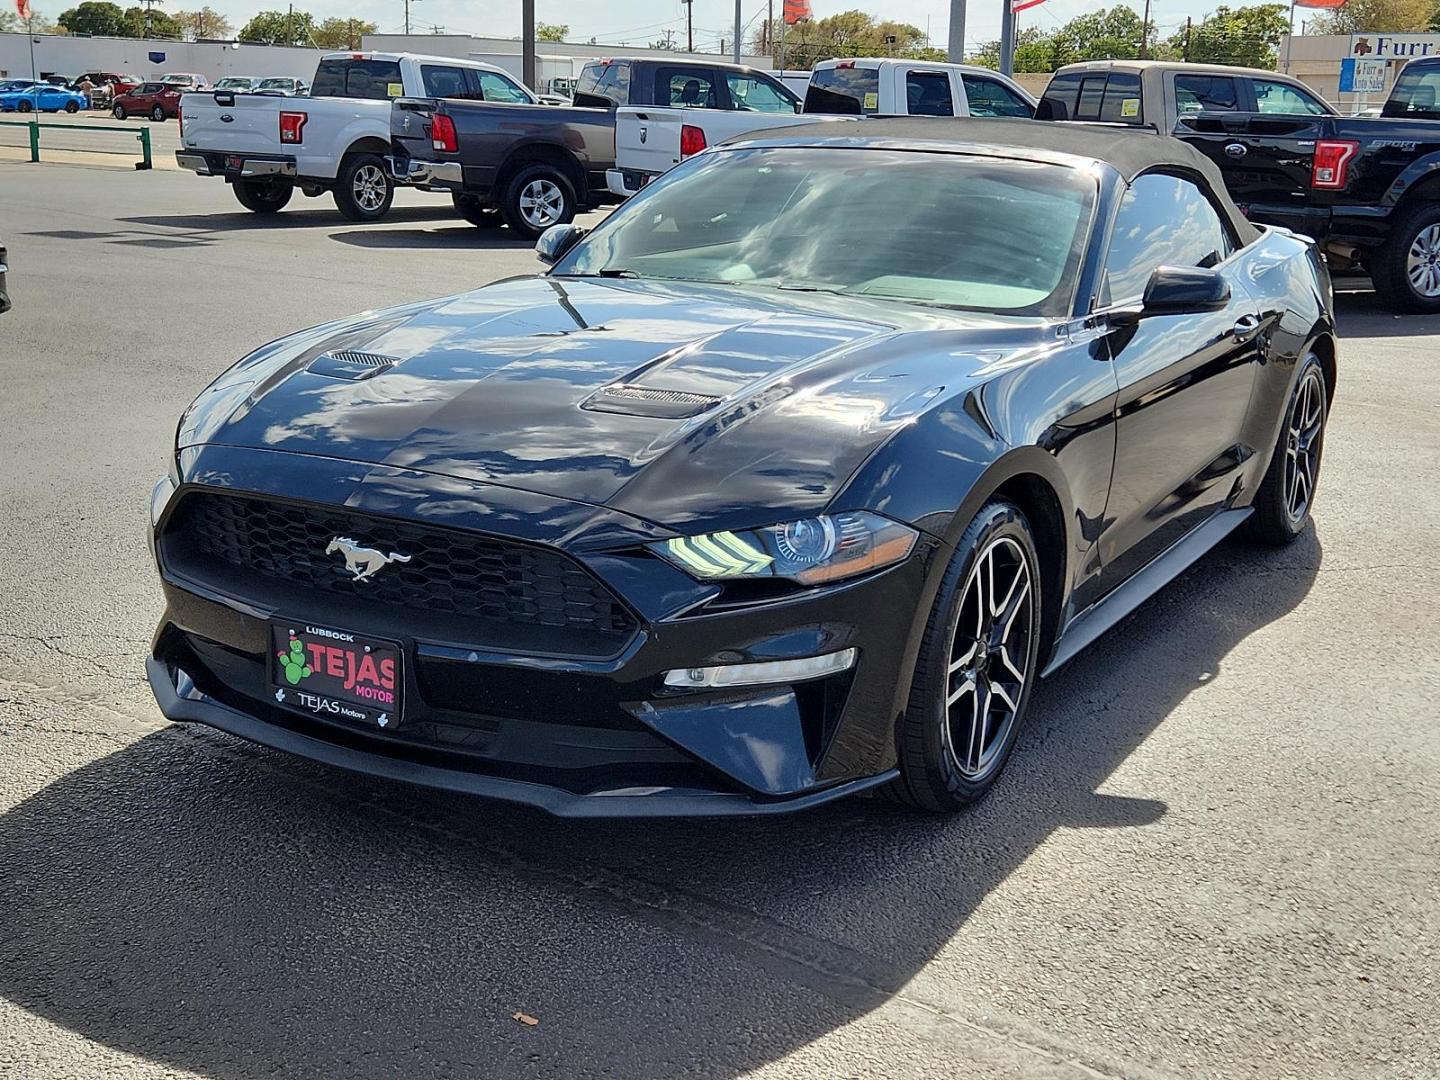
[157, 114]
[24, 106]
[1287, 493]
[1416, 232]
[118, 112]
[949, 760]
[72, 107]
[537, 197]
[475, 212]
[263, 196]
[363, 190]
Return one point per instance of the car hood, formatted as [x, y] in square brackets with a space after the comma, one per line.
[685, 405]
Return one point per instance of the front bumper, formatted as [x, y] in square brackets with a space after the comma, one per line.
[242, 166]
[426, 173]
[595, 736]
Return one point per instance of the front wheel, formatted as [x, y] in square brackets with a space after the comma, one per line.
[1287, 493]
[976, 665]
[263, 196]
[363, 190]
[537, 197]
[1406, 269]
[118, 112]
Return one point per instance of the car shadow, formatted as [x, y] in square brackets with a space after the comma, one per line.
[462, 235]
[323, 215]
[222, 909]
[1359, 313]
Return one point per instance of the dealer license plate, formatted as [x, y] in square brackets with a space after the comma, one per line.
[335, 674]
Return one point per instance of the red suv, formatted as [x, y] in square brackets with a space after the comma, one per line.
[157, 100]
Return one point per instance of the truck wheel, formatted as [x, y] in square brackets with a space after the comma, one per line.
[263, 196]
[537, 197]
[363, 190]
[475, 212]
[1406, 268]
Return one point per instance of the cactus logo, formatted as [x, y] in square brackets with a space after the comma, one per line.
[293, 663]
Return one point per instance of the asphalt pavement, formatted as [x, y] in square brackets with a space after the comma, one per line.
[1214, 855]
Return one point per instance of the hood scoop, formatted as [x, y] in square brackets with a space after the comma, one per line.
[351, 364]
[649, 401]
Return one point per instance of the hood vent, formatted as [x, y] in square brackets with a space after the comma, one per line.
[650, 401]
[351, 364]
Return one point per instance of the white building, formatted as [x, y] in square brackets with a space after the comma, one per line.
[70, 56]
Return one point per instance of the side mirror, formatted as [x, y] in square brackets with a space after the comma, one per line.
[1178, 290]
[556, 241]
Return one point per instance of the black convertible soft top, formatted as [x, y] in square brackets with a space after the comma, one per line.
[1129, 151]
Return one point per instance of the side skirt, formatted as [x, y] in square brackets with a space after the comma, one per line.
[1159, 572]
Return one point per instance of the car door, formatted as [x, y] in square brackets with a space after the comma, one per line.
[928, 93]
[1282, 127]
[1184, 380]
[985, 96]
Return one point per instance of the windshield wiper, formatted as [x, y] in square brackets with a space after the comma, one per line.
[616, 271]
[808, 286]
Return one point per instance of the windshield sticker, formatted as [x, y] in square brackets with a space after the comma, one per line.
[1130, 106]
[872, 100]
[395, 89]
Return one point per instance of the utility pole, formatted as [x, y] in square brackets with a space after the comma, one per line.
[1187, 39]
[1145, 31]
[1007, 38]
[739, 29]
[770, 31]
[957, 31]
[689, 25]
[527, 43]
[407, 17]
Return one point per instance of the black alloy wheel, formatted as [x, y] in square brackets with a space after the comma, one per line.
[976, 666]
[263, 196]
[1287, 494]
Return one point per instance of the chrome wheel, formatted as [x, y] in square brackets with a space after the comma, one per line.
[541, 203]
[369, 188]
[1422, 263]
[1306, 425]
[989, 658]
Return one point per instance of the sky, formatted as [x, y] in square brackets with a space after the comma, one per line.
[638, 22]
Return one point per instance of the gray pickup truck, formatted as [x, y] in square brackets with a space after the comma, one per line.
[531, 166]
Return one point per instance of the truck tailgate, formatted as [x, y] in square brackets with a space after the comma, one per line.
[647, 139]
[249, 123]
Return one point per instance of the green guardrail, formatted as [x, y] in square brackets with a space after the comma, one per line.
[142, 135]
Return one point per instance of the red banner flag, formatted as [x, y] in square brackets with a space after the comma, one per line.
[795, 10]
[23, 7]
[1023, 4]
[1320, 3]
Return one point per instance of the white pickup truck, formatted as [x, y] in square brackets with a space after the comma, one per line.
[648, 141]
[334, 140]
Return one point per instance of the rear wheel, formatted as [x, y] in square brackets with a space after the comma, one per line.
[263, 196]
[72, 106]
[537, 197]
[24, 106]
[1282, 505]
[157, 114]
[475, 212]
[1406, 269]
[363, 190]
[976, 665]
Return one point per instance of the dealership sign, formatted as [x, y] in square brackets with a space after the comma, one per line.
[1362, 75]
[1394, 46]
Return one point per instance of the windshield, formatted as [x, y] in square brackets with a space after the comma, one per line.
[945, 229]
[275, 84]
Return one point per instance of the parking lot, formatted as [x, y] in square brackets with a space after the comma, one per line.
[1213, 856]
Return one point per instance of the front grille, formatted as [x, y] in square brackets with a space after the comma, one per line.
[494, 581]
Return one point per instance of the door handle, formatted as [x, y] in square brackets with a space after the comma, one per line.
[1245, 326]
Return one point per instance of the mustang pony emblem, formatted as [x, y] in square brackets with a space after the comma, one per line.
[363, 562]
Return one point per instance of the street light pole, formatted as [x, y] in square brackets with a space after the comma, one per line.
[689, 25]
[1007, 38]
[527, 36]
[738, 20]
[957, 31]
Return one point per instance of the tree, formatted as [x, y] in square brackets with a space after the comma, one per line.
[147, 22]
[668, 43]
[279, 28]
[1105, 34]
[99, 18]
[850, 33]
[342, 33]
[551, 31]
[1375, 17]
[203, 24]
[1247, 36]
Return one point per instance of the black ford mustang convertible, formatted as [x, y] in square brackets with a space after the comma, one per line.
[786, 482]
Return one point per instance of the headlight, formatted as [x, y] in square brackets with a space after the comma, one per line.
[811, 551]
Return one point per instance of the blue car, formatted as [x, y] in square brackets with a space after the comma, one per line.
[42, 98]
